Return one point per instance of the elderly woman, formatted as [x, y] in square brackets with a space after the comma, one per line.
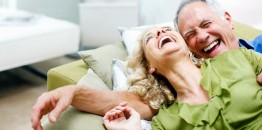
[222, 94]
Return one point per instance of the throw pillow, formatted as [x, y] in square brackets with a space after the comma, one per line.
[130, 35]
[91, 80]
[100, 60]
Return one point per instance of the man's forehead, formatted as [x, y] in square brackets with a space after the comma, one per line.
[193, 15]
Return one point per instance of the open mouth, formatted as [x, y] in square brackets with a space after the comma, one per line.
[211, 47]
[164, 40]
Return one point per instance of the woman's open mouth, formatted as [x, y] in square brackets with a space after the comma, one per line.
[164, 40]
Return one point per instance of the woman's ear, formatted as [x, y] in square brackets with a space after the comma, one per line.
[151, 70]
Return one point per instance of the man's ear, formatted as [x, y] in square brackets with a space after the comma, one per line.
[229, 19]
[151, 69]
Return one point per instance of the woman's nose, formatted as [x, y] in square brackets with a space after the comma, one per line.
[160, 31]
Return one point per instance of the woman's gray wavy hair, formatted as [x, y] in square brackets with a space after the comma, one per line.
[154, 89]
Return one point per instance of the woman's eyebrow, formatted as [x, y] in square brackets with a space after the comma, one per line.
[149, 33]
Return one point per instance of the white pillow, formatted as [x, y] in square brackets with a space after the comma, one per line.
[119, 76]
[130, 35]
[120, 84]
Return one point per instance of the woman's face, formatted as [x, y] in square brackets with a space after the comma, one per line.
[161, 44]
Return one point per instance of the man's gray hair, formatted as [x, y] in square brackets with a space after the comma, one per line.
[213, 4]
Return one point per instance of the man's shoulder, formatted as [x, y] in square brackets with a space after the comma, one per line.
[255, 44]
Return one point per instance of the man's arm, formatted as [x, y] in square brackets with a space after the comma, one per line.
[99, 101]
[85, 99]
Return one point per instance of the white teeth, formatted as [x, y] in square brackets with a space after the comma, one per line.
[210, 46]
[164, 38]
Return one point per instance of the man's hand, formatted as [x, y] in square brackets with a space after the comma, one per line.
[54, 103]
[259, 78]
[122, 117]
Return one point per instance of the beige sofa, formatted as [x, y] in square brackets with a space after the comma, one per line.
[71, 73]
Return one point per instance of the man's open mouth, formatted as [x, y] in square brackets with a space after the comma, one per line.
[211, 47]
[164, 40]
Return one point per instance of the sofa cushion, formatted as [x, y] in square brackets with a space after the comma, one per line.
[91, 80]
[100, 60]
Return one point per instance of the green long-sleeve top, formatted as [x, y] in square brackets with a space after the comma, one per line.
[235, 96]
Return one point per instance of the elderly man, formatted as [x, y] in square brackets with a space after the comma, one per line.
[207, 30]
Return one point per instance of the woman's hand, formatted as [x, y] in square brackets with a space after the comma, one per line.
[259, 78]
[122, 117]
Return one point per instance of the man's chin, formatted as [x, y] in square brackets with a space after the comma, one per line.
[214, 54]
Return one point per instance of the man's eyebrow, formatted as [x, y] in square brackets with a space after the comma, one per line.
[190, 30]
[187, 31]
[203, 21]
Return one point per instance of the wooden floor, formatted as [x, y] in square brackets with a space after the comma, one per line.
[19, 90]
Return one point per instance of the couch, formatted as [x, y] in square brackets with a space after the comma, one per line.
[72, 73]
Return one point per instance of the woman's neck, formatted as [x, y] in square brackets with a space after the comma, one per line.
[185, 78]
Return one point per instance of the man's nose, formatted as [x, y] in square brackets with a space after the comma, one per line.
[202, 35]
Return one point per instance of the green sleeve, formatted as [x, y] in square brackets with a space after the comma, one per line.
[255, 60]
[167, 120]
[156, 125]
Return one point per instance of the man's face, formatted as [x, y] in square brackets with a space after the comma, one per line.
[205, 32]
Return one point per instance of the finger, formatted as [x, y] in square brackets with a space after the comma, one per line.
[121, 108]
[123, 104]
[56, 112]
[114, 114]
[38, 110]
[110, 115]
[131, 112]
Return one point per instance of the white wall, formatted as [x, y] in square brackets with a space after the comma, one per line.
[246, 11]
[157, 11]
[62, 9]
[151, 11]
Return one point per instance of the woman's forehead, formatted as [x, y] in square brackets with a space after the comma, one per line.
[154, 29]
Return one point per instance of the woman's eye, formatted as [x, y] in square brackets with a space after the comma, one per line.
[168, 29]
[148, 38]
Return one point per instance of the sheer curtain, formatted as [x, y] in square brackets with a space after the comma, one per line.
[11, 4]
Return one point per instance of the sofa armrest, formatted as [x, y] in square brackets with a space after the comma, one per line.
[245, 31]
[71, 118]
[66, 74]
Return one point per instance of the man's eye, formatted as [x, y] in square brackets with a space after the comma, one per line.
[189, 36]
[206, 25]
